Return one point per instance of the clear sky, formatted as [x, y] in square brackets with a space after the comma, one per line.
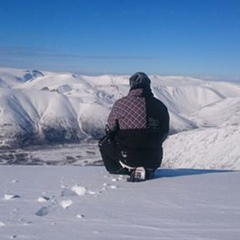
[177, 37]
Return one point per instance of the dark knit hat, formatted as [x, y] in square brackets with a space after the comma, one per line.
[139, 80]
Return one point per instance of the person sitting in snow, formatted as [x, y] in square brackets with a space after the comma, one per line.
[137, 126]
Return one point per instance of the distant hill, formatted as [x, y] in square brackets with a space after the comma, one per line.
[51, 108]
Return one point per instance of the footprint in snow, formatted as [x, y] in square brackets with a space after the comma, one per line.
[120, 178]
[43, 211]
[74, 191]
[109, 186]
[66, 192]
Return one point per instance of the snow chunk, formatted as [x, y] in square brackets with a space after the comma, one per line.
[66, 203]
[10, 196]
[79, 190]
[15, 181]
[2, 224]
[43, 199]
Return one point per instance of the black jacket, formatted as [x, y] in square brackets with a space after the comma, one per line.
[140, 124]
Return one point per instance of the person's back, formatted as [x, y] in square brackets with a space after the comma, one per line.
[141, 124]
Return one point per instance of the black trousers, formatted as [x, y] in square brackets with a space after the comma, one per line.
[108, 152]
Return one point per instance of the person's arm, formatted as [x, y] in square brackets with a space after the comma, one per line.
[112, 122]
[111, 127]
[165, 125]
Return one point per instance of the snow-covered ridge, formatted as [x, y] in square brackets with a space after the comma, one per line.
[44, 107]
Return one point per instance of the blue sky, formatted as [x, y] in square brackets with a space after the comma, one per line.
[176, 37]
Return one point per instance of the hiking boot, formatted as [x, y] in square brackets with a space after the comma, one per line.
[138, 175]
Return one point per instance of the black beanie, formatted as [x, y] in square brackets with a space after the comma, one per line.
[139, 80]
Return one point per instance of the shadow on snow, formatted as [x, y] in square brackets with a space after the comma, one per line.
[166, 173]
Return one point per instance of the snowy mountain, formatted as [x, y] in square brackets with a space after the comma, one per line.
[44, 108]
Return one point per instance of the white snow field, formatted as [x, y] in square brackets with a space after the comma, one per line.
[194, 196]
[39, 202]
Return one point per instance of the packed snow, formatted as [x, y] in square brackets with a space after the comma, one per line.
[39, 202]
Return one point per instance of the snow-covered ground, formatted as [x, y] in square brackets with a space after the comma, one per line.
[63, 202]
[67, 202]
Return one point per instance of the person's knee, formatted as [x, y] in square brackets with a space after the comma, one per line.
[112, 171]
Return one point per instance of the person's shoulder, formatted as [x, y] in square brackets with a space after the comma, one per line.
[123, 99]
[159, 102]
[120, 101]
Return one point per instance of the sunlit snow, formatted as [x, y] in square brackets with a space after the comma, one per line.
[54, 120]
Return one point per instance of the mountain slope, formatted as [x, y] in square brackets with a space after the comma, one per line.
[210, 148]
[43, 107]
